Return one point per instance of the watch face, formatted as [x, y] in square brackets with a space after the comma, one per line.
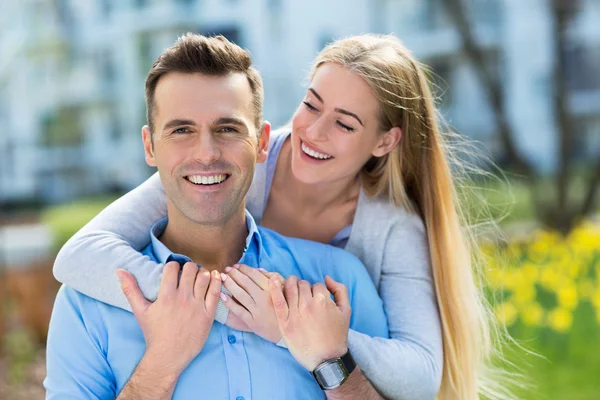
[331, 374]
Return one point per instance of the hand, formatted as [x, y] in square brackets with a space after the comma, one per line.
[314, 327]
[251, 304]
[178, 323]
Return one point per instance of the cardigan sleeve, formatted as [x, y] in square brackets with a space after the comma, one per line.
[112, 240]
[409, 365]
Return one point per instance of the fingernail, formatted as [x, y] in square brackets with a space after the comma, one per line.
[119, 274]
[216, 274]
[236, 266]
[263, 270]
[223, 297]
[227, 269]
[223, 277]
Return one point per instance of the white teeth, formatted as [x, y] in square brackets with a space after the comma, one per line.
[207, 180]
[314, 154]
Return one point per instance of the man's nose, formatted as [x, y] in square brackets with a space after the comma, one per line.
[206, 149]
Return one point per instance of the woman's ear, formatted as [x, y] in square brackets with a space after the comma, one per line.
[388, 142]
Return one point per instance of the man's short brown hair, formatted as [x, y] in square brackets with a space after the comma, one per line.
[215, 56]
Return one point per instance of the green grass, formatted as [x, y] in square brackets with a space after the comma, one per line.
[567, 366]
[66, 219]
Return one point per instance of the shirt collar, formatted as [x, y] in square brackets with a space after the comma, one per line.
[164, 255]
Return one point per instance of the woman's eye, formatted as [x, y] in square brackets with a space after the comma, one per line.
[345, 127]
[309, 106]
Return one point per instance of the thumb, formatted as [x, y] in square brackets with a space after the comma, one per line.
[339, 292]
[134, 295]
[279, 302]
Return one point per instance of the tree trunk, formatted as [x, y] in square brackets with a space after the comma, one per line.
[564, 216]
[560, 214]
[493, 91]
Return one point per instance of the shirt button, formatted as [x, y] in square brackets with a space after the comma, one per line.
[232, 340]
[239, 398]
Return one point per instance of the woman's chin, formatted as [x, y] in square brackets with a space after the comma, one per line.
[307, 174]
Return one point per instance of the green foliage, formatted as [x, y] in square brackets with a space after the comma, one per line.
[66, 219]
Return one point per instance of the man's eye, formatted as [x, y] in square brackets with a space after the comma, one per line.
[181, 130]
[228, 129]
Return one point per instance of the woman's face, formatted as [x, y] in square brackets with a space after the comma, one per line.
[335, 130]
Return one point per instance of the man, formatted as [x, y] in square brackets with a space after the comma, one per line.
[205, 133]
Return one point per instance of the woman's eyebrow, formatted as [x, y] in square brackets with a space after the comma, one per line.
[340, 110]
[316, 94]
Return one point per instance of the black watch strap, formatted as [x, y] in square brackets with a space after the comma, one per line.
[332, 373]
[349, 362]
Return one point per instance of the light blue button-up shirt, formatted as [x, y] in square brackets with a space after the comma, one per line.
[93, 348]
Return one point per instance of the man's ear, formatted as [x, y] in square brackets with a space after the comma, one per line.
[148, 146]
[388, 142]
[263, 142]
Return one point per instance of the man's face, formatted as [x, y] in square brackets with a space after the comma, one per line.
[205, 144]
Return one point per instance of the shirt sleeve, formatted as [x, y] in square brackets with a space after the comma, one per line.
[76, 364]
[409, 365]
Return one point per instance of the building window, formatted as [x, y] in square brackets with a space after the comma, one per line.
[145, 51]
[582, 64]
[440, 76]
[433, 15]
[116, 132]
[63, 128]
[107, 67]
[231, 33]
[106, 8]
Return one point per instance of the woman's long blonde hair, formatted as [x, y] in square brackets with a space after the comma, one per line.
[417, 175]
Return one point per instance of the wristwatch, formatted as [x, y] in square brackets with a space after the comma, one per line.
[330, 374]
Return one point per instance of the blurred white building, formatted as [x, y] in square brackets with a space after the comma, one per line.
[72, 74]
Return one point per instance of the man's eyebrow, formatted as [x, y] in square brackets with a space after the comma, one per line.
[230, 121]
[340, 110]
[178, 122]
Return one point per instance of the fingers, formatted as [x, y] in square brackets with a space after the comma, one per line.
[188, 278]
[168, 282]
[242, 279]
[319, 289]
[255, 275]
[270, 274]
[237, 291]
[134, 295]
[304, 293]
[340, 293]
[212, 294]
[201, 284]
[279, 302]
[290, 291]
[235, 322]
[238, 310]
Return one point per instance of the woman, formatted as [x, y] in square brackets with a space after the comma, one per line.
[363, 168]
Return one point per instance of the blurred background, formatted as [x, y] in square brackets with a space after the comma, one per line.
[521, 78]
